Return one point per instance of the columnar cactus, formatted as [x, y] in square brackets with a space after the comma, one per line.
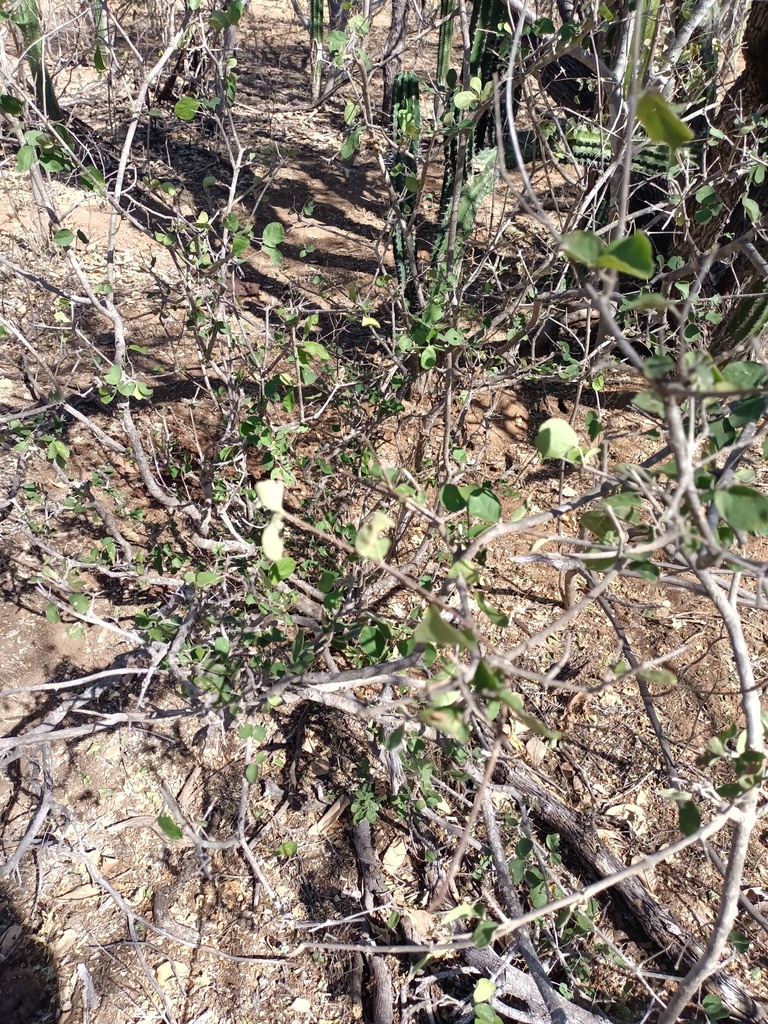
[484, 62]
[27, 20]
[406, 123]
[445, 41]
[315, 46]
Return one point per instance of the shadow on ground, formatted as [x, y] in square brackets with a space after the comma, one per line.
[28, 981]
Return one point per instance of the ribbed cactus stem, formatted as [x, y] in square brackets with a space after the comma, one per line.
[486, 40]
[316, 46]
[459, 218]
[748, 320]
[27, 20]
[484, 37]
[445, 41]
[406, 124]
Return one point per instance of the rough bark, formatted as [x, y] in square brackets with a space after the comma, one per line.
[667, 934]
[393, 54]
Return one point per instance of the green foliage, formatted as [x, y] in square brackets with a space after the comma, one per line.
[169, 826]
[661, 123]
[632, 255]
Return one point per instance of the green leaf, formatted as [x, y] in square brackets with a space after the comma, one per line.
[484, 932]
[273, 234]
[186, 108]
[751, 208]
[645, 569]
[169, 826]
[287, 849]
[624, 505]
[433, 629]
[239, 244]
[281, 570]
[647, 300]
[662, 676]
[64, 237]
[524, 848]
[497, 618]
[710, 205]
[582, 247]
[80, 603]
[462, 910]
[52, 613]
[515, 704]
[660, 121]
[657, 367]
[748, 410]
[649, 402]
[314, 348]
[207, 579]
[599, 522]
[452, 499]
[449, 720]
[689, 817]
[58, 452]
[373, 640]
[113, 376]
[463, 100]
[395, 738]
[351, 144]
[632, 255]
[555, 439]
[218, 21]
[484, 504]
[369, 321]
[11, 105]
[428, 357]
[484, 1014]
[275, 256]
[744, 375]
[714, 1009]
[251, 773]
[336, 40]
[743, 509]
[593, 424]
[484, 990]
[25, 158]
[739, 941]
[369, 542]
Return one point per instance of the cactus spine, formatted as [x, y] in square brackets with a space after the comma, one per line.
[315, 46]
[406, 124]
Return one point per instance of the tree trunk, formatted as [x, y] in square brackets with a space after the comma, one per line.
[726, 168]
[393, 54]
